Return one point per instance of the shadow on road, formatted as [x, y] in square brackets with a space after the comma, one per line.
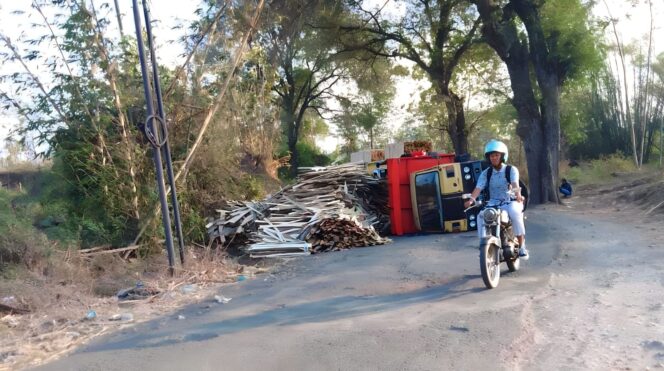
[312, 312]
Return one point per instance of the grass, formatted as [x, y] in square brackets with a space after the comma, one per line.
[598, 171]
[20, 242]
[24, 166]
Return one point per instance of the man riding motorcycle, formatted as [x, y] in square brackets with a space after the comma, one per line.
[500, 190]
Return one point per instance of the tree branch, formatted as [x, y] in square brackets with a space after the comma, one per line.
[181, 68]
[34, 77]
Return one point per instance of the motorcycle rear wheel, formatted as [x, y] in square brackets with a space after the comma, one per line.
[490, 265]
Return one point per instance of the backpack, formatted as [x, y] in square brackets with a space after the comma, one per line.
[508, 176]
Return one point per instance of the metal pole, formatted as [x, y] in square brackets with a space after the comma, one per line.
[166, 147]
[155, 141]
[661, 140]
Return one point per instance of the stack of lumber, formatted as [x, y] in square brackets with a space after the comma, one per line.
[324, 207]
[417, 145]
[377, 155]
[335, 234]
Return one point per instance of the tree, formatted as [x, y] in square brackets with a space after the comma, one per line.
[307, 69]
[558, 43]
[603, 132]
[658, 91]
[432, 114]
[347, 128]
[434, 34]
[88, 105]
[80, 113]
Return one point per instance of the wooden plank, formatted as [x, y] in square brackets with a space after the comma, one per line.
[9, 309]
[281, 255]
[277, 246]
[247, 219]
[239, 216]
[282, 225]
[128, 248]
[274, 234]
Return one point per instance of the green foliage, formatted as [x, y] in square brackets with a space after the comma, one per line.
[313, 127]
[410, 130]
[431, 114]
[100, 176]
[98, 211]
[599, 170]
[20, 242]
[306, 65]
[254, 188]
[310, 155]
[574, 41]
[433, 36]
[480, 77]
[591, 119]
[53, 217]
[347, 129]
[361, 122]
[62, 216]
[574, 113]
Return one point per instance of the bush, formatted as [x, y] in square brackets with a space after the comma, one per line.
[20, 242]
[597, 171]
[310, 155]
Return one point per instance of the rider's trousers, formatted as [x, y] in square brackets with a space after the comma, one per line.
[515, 211]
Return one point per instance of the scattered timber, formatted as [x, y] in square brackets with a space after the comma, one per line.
[327, 209]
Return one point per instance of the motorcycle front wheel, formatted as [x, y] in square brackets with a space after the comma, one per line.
[490, 265]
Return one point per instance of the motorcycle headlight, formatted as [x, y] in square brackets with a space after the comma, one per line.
[471, 217]
[472, 224]
[490, 215]
[466, 169]
[467, 176]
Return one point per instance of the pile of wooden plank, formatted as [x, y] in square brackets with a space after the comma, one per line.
[340, 203]
[417, 145]
[335, 234]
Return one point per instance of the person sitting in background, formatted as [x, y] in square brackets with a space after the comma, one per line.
[565, 188]
[376, 172]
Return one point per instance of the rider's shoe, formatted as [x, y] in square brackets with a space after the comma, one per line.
[523, 253]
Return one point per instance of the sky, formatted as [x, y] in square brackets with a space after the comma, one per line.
[633, 23]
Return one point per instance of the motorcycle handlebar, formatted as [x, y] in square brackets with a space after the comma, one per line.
[477, 203]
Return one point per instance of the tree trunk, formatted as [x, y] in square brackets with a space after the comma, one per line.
[456, 127]
[501, 34]
[291, 127]
[529, 127]
[456, 118]
[539, 125]
[549, 80]
[371, 138]
[627, 110]
[119, 16]
[646, 98]
[551, 125]
[295, 155]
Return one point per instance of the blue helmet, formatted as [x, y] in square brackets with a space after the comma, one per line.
[496, 146]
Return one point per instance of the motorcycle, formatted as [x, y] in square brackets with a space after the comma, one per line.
[499, 244]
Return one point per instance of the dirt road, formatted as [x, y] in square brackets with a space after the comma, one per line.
[589, 298]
